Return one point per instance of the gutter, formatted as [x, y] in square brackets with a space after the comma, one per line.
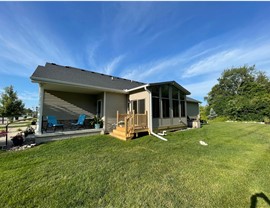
[150, 116]
[137, 88]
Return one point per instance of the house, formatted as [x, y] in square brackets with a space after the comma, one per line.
[128, 105]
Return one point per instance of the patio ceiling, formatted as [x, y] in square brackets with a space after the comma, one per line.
[71, 88]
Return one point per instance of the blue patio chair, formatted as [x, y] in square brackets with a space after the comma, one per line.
[52, 123]
[80, 122]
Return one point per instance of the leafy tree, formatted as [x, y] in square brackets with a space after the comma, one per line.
[10, 104]
[241, 94]
[203, 115]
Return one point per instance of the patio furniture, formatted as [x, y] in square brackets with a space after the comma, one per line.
[80, 122]
[52, 123]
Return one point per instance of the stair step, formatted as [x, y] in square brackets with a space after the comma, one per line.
[120, 137]
[121, 133]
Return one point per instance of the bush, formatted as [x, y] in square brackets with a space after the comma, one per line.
[29, 130]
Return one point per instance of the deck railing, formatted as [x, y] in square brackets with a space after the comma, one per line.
[132, 122]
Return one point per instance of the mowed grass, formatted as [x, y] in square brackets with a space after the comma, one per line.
[101, 171]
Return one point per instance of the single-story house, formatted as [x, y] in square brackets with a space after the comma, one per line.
[127, 105]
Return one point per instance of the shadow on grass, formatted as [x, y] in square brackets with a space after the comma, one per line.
[254, 199]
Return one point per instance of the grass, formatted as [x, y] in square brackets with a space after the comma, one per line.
[100, 171]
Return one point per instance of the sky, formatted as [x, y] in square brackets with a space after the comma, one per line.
[191, 43]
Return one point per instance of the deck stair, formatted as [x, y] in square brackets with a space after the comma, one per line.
[120, 133]
[129, 125]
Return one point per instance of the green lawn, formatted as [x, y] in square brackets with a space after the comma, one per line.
[100, 171]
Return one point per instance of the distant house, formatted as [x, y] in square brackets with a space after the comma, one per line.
[128, 105]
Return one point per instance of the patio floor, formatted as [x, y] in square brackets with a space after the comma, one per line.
[52, 136]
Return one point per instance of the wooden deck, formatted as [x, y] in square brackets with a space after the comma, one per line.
[129, 125]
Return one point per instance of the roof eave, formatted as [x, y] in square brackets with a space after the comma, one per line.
[45, 80]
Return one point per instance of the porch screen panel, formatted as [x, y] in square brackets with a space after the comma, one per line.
[175, 108]
[155, 107]
[155, 101]
[165, 108]
[165, 101]
[183, 106]
[175, 97]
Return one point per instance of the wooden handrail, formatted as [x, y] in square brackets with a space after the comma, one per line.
[130, 121]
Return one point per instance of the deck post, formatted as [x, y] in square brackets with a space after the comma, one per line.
[126, 127]
[117, 117]
[146, 119]
[133, 120]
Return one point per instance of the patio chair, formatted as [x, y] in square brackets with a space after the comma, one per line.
[52, 123]
[80, 122]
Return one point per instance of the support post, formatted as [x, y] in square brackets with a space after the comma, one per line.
[117, 118]
[133, 119]
[40, 109]
[126, 127]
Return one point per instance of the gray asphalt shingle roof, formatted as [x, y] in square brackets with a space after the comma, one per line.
[189, 99]
[67, 74]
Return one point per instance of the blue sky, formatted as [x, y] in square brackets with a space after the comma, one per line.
[189, 42]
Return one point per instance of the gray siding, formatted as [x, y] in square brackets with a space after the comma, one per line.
[139, 96]
[114, 102]
[66, 105]
[193, 109]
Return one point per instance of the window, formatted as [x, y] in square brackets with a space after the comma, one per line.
[99, 108]
[134, 106]
[141, 106]
[138, 106]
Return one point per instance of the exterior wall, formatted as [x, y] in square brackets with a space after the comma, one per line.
[66, 106]
[193, 109]
[139, 96]
[114, 102]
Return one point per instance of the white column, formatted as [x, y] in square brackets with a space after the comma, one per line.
[104, 111]
[40, 109]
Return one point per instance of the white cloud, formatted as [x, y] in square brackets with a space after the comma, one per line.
[110, 67]
[21, 50]
[257, 54]
[211, 63]
[199, 90]
[28, 96]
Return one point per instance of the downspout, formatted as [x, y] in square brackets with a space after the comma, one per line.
[150, 116]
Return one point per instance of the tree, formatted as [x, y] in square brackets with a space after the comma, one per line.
[212, 114]
[241, 94]
[10, 104]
